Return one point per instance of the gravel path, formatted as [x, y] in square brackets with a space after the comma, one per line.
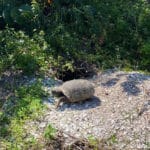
[119, 111]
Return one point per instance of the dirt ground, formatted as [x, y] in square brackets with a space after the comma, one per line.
[119, 111]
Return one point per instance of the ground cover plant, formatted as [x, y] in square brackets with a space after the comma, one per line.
[26, 104]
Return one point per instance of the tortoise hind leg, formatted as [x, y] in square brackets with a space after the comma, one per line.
[61, 99]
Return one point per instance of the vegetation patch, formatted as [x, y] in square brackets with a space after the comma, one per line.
[25, 105]
[68, 37]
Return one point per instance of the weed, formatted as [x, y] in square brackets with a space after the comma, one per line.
[93, 142]
[112, 139]
[49, 132]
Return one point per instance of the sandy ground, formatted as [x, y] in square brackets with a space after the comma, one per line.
[119, 111]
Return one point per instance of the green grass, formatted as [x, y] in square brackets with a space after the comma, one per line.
[26, 105]
[49, 132]
[93, 142]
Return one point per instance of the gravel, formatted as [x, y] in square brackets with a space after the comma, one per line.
[120, 110]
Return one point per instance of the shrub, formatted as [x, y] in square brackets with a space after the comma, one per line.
[145, 55]
[108, 34]
[20, 14]
[20, 51]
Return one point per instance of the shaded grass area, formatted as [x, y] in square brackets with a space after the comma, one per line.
[25, 103]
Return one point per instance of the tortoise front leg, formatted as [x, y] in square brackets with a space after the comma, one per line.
[61, 99]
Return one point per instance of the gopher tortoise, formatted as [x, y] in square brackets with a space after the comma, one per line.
[73, 91]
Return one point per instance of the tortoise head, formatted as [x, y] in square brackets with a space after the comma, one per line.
[57, 91]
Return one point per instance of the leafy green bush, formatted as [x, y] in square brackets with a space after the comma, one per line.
[145, 55]
[20, 14]
[19, 51]
[105, 33]
[144, 22]
[108, 34]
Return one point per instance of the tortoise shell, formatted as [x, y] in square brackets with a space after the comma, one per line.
[75, 90]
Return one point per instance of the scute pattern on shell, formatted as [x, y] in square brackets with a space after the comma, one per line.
[77, 90]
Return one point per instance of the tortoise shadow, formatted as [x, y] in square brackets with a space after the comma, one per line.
[87, 104]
